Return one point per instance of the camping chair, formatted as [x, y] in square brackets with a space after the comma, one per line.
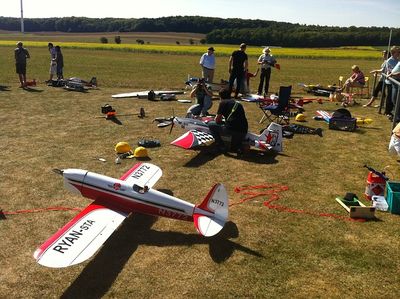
[361, 92]
[280, 111]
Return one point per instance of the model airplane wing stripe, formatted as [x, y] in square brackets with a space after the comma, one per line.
[193, 139]
[325, 115]
[80, 238]
[142, 174]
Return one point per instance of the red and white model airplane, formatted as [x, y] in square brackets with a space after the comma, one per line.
[199, 134]
[114, 200]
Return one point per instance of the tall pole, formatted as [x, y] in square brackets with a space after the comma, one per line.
[390, 39]
[22, 18]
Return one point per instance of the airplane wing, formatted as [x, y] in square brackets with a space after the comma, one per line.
[193, 139]
[80, 238]
[142, 174]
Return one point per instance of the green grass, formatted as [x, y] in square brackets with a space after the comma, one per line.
[262, 253]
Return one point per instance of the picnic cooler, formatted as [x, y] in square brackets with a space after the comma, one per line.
[393, 196]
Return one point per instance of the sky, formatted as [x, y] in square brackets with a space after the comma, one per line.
[344, 13]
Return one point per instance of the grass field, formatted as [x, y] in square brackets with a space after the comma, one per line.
[312, 251]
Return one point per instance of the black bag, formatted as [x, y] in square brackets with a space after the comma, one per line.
[341, 120]
[149, 143]
[151, 96]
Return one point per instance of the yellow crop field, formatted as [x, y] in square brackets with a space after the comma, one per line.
[221, 50]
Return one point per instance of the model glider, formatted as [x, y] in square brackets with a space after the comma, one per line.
[144, 94]
[116, 199]
[198, 134]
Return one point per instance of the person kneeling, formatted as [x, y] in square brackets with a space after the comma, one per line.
[235, 125]
[203, 96]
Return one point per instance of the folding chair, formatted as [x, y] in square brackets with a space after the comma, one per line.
[360, 92]
[278, 112]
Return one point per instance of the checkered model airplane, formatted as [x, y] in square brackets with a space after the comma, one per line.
[116, 199]
[198, 134]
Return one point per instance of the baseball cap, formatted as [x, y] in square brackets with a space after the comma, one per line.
[242, 45]
[211, 49]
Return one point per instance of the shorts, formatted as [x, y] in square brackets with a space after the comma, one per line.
[20, 68]
[53, 69]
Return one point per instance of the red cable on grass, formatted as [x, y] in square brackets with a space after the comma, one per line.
[273, 195]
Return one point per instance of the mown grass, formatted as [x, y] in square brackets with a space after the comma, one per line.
[262, 252]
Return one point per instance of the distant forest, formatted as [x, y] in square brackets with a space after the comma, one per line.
[217, 30]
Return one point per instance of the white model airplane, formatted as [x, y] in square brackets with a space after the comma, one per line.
[114, 200]
[199, 134]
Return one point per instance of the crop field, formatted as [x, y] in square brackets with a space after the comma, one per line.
[301, 245]
[166, 43]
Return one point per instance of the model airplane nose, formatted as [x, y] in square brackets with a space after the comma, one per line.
[73, 179]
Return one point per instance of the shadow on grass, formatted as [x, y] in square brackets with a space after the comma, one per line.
[100, 273]
[30, 89]
[4, 88]
[253, 156]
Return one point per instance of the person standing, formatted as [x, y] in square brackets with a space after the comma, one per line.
[207, 62]
[395, 74]
[21, 54]
[53, 63]
[379, 87]
[246, 82]
[59, 63]
[266, 60]
[390, 64]
[238, 64]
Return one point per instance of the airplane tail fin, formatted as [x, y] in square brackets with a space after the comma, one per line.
[273, 136]
[93, 81]
[211, 215]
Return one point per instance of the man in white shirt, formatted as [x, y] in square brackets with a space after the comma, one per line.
[207, 62]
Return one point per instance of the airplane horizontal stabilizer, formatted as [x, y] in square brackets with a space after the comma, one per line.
[80, 238]
[192, 139]
[211, 215]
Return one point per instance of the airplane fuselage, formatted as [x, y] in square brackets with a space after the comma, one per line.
[125, 196]
[258, 141]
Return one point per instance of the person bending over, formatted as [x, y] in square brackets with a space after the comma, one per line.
[230, 122]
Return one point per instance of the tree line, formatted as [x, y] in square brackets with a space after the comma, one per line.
[218, 30]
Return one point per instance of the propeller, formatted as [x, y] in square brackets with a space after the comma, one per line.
[58, 171]
[172, 126]
[166, 121]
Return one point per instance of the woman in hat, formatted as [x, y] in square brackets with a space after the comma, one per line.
[266, 60]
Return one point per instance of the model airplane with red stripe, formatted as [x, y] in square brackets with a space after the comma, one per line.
[198, 134]
[114, 200]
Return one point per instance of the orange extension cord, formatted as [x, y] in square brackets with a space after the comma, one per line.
[271, 191]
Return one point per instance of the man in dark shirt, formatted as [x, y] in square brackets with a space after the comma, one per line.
[235, 125]
[21, 54]
[238, 63]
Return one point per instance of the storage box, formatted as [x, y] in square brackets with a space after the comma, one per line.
[393, 196]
